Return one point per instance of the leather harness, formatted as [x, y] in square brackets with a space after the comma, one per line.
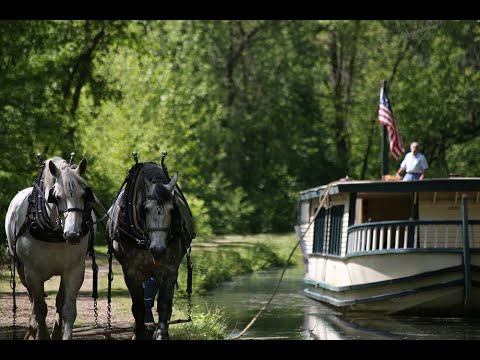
[130, 217]
[37, 220]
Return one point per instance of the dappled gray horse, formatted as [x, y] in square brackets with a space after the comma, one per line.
[150, 228]
[49, 227]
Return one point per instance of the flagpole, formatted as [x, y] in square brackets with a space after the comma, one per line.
[385, 147]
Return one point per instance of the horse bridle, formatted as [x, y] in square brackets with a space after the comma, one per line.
[88, 197]
[154, 229]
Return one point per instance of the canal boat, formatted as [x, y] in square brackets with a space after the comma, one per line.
[393, 247]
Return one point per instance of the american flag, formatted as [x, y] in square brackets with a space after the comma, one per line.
[385, 116]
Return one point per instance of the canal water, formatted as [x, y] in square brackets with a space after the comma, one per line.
[291, 315]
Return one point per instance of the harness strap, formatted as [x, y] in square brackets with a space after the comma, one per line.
[13, 287]
[37, 220]
[70, 210]
[109, 290]
[153, 229]
[39, 223]
[41, 193]
[91, 253]
[189, 272]
[94, 286]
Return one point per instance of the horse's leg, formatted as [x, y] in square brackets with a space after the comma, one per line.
[36, 289]
[135, 288]
[59, 303]
[32, 325]
[72, 281]
[164, 307]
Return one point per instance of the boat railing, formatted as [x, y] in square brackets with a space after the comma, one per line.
[410, 234]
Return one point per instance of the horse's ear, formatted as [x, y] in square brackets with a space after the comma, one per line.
[171, 185]
[147, 185]
[54, 170]
[82, 167]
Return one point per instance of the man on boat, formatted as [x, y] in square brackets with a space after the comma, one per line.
[414, 165]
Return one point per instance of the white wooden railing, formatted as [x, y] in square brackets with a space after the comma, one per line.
[412, 234]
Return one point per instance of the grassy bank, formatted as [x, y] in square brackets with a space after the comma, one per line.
[214, 262]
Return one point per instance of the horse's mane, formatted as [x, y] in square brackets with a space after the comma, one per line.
[154, 173]
[69, 176]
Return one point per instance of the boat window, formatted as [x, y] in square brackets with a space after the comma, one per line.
[336, 222]
[319, 232]
[327, 235]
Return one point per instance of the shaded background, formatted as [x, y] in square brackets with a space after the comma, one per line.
[250, 111]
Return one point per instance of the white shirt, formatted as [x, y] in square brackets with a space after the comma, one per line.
[414, 163]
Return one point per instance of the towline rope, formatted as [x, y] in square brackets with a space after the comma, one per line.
[322, 201]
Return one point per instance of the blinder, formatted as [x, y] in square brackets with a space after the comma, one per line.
[51, 197]
[89, 195]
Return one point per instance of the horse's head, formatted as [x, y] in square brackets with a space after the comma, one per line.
[158, 208]
[70, 193]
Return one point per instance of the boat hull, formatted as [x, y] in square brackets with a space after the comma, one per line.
[429, 283]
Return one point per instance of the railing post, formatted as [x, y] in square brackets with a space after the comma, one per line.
[369, 239]
[363, 242]
[380, 240]
[397, 236]
[389, 237]
[466, 257]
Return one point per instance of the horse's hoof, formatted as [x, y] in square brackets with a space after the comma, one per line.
[144, 336]
[56, 336]
[56, 333]
[158, 335]
[150, 334]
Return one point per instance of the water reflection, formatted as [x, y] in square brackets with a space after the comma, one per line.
[291, 315]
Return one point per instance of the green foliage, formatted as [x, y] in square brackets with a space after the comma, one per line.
[214, 268]
[228, 207]
[465, 158]
[203, 228]
[236, 255]
[261, 256]
[211, 325]
[250, 111]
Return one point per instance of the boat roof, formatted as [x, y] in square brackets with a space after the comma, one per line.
[347, 185]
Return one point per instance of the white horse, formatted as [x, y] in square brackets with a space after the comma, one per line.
[49, 227]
